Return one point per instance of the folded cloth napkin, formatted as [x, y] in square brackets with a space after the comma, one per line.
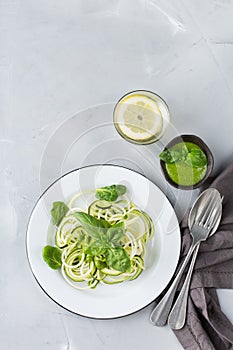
[207, 327]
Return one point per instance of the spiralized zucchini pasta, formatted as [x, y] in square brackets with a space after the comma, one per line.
[102, 242]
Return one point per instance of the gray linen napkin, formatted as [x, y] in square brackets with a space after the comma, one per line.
[206, 327]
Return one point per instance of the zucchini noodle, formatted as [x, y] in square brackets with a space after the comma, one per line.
[84, 271]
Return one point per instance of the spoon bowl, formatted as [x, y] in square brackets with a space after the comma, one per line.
[210, 203]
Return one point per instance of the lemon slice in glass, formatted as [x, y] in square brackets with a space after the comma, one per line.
[138, 118]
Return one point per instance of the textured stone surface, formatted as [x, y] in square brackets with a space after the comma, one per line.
[58, 58]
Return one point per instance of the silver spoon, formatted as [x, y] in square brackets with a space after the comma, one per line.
[200, 210]
[177, 316]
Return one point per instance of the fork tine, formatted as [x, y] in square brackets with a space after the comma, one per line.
[209, 194]
[215, 220]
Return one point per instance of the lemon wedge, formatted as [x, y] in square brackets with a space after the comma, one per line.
[138, 118]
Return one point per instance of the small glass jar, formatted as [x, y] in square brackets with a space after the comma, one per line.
[141, 117]
[192, 139]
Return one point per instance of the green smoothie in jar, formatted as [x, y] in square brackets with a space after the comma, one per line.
[185, 162]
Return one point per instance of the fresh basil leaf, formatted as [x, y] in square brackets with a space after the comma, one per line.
[52, 256]
[196, 158]
[118, 259]
[94, 227]
[96, 249]
[170, 156]
[58, 211]
[88, 219]
[180, 154]
[115, 233]
[166, 156]
[121, 189]
[110, 193]
[81, 238]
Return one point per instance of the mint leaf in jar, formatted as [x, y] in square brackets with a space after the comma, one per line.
[196, 158]
[171, 156]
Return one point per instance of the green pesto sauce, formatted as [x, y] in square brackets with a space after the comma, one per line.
[182, 173]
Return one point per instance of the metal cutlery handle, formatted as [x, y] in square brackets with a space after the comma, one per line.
[160, 313]
[176, 319]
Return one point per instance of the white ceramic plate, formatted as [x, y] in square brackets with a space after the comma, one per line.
[107, 301]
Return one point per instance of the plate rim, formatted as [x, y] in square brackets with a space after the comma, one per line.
[27, 229]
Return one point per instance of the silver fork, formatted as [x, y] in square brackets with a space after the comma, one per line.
[177, 316]
[201, 210]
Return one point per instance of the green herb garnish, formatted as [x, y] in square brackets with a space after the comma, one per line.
[194, 157]
[170, 156]
[106, 241]
[115, 233]
[93, 226]
[110, 193]
[118, 259]
[52, 256]
[58, 212]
